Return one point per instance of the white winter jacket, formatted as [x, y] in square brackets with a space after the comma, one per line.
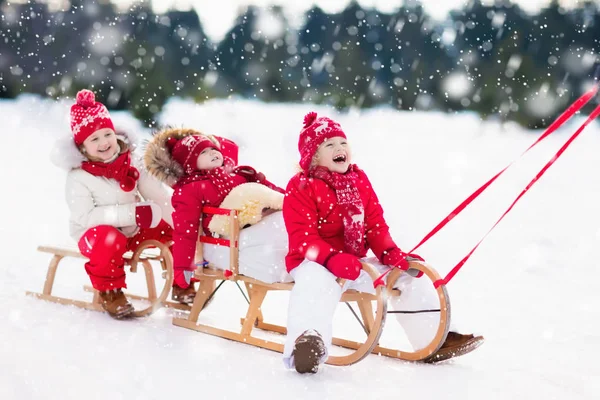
[95, 200]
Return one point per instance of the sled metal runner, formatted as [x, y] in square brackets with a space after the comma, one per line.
[133, 260]
[373, 315]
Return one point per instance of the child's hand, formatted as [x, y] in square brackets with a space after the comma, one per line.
[250, 174]
[147, 214]
[344, 265]
[398, 259]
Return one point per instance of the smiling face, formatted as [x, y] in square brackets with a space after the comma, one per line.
[334, 154]
[101, 145]
[209, 158]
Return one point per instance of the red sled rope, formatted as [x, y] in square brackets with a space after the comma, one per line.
[565, 116]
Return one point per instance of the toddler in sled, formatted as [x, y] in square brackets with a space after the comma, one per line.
[113, 205]
[333, 217]
[203, 173]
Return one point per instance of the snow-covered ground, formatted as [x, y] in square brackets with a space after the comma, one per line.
[531, 288]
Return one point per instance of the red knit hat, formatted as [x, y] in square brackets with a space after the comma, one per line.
[186, 150]
[315, 131]
[88, 116]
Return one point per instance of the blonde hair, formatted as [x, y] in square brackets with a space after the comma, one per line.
[315, 160]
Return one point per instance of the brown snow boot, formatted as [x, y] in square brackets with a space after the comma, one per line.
[183, 296]
[116, 304]
[309, 349]
[455, 345]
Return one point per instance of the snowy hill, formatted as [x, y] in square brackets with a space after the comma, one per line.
[530, 289]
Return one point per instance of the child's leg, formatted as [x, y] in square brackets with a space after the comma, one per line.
[313, 301]
[162, 232]
[416, 294]
[104, 245]
[263, 248]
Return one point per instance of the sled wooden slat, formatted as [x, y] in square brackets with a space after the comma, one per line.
[202, 273]
[133, 259]
[349, 344]
[65, 252]
[60, 251]
[167, 304]
[262, 343]
[67, 302]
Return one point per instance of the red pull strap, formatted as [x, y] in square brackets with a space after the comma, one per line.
[565, 116]
[458, 266]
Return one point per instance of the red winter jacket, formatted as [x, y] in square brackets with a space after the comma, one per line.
[188, 200]
[315, 226]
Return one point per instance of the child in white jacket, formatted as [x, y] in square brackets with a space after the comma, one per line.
[113, 205]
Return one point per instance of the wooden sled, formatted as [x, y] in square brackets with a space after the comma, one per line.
[372, 308]
[140, 256]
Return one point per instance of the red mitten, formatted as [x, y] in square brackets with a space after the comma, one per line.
[253, 175]
[147, 214]
[247, 172]
[397, 258]
[344, 265]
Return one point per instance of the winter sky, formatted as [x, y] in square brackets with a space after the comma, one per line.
[218, 16]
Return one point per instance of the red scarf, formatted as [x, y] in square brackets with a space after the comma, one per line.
[349, 200]
[217, 176]
[120, 170]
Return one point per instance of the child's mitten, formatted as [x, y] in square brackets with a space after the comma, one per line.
[147, 214]
[344, 265]
[397, 258]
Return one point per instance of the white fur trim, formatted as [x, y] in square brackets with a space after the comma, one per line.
[65, 154]
[249, 199]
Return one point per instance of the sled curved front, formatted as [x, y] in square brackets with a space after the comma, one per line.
[166, 261]
[443, 321]
[140, 256]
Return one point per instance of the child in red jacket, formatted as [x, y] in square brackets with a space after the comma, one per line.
[201, 169]
[333, 217]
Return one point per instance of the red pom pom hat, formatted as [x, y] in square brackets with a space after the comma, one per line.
[316, 130]
[186, 150]
[88, 116]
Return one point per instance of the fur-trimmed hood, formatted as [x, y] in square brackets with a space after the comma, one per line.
[67, 156]
[158, 159]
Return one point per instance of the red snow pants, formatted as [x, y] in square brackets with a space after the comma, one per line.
[105, 245]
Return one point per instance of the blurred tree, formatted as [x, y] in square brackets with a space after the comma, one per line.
[238, 52]
[314, 54]
[149, 79]
[414, 57]
[10, 41]
[491, 58]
